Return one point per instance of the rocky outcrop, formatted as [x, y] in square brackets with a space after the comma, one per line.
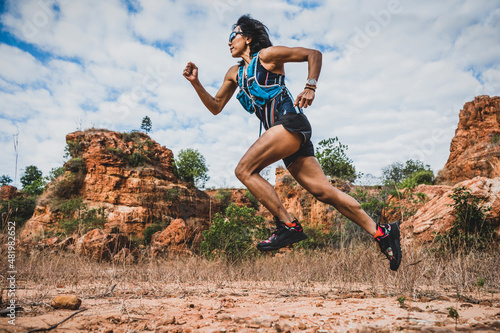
[175, 238]
[99, 245]
[8, 192]
[427, 211]
[124, 179]
[475, 149]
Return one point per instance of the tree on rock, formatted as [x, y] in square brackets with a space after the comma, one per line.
[146, 124]
[5, 180]
[32, 180]
[409, 174]
[191, 167]
[332, 157]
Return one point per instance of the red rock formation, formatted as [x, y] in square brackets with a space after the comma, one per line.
[8, 192]
[128, 176]
[434, 212]
[407, 203]
[174, 239]
[240, 197]
[100, 245]
[475, 149]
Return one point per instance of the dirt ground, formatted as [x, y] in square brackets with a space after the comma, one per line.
[256, 307]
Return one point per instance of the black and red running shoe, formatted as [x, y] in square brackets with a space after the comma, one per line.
[282, 236]
[389, 242]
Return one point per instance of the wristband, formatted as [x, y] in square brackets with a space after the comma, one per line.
[310, 88]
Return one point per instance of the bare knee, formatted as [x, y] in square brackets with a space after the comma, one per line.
[323, 194]
[242, 173]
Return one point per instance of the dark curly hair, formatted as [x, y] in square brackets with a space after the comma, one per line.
[256, 30]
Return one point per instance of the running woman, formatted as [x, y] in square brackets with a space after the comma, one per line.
[260, 77]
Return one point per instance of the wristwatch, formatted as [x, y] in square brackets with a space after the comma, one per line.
[311, 82]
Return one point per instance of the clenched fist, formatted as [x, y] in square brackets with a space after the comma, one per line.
[191, 72]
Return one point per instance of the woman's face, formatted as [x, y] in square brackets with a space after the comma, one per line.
[238, 43]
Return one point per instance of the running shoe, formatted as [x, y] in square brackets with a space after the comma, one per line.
[282, 236]
[389, 243]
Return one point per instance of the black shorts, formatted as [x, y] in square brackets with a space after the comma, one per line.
[297, 123]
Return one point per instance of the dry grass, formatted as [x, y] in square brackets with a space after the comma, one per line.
[341, 271]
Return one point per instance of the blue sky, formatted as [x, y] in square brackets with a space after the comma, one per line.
[395, 74]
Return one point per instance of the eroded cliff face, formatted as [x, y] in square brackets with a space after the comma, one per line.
[475, 149]
[428, 210]
[128, 178]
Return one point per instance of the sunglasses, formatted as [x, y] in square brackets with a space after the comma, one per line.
[233, 35]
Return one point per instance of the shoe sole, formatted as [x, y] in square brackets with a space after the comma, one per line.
[291, 240]
[397, 249]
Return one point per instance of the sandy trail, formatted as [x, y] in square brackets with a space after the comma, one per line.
[261, 307]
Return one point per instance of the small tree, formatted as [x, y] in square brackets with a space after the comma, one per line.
[5, 180]
[54, 173]
[32, 180]
[146, 124]
[191, 167]
[472, 229]
[331, 155]
[410, 173]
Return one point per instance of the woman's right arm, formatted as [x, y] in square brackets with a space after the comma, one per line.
[214, 104]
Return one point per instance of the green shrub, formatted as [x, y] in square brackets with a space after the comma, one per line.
[80, 219]
[417, 178]
[253, 200]
[472, 230]
[69, 185]
[71, 206]
[75, 165]
[172, 194]
[36, 187]
[18, 209]
[136, 159]
[318, 239]
[224, 195]
[132, 136]
[73, 149]
[397, 172]
[495, 139]
[151, 230]
[118, 152]
[5, 180]
[32, 180]
[372, 204]
[233, 234]
[55, 173]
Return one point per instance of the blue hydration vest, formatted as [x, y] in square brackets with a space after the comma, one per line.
[256, 95]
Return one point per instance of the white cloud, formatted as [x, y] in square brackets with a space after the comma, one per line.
[20, 67]
[395, 74]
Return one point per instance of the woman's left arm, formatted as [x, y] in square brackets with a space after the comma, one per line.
[273, 58]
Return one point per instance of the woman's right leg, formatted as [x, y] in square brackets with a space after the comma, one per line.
[275, 144]
[307, 171]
